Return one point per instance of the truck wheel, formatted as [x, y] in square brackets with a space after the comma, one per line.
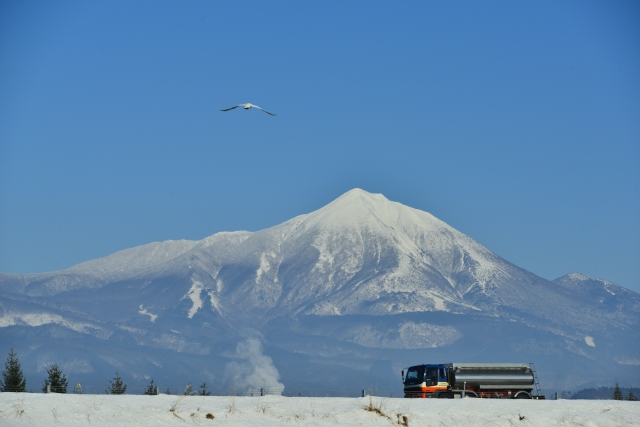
[523, 395]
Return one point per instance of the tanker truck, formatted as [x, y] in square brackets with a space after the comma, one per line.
[456, 380]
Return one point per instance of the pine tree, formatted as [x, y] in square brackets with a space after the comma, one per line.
[116, 387]
[188, 391]
[203, 390]
[617, 393]
[56, 379]
[12, 378]
[151, 389]
[631, 396]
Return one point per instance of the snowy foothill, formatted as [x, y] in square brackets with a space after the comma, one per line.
[170, 410]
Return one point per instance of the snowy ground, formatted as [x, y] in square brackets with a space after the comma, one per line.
[105, 410]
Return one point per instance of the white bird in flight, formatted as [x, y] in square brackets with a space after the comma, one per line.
[248, 106]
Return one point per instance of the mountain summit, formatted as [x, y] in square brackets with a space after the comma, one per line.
[359, 282]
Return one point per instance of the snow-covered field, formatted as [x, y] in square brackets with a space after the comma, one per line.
[166, 410]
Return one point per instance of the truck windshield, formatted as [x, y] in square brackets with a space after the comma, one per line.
[415, 375]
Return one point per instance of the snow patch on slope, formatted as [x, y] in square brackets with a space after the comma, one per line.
[144, 311]
[73, 366]
[633, 361]
[194, 296]
[266, 268]
[40, 319]
[409, 335]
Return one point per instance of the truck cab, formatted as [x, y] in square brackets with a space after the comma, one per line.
[426, 380]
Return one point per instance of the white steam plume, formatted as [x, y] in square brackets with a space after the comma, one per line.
[255, 371]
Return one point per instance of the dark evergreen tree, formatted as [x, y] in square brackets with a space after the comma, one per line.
[203, 390]
[116, 386]
[151, 389]
[631, 396]
[617, 393]
[12, 378]
[56, 378]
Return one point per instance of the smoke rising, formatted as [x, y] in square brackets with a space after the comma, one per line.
[255, 370]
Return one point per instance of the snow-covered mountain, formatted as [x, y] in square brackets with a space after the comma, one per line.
[356, 289]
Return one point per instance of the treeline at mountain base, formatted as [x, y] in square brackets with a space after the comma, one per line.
[56, 382]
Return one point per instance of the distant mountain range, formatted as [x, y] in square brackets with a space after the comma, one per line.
[600, 393]
[341, 299]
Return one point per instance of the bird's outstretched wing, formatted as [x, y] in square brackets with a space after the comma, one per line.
[228, 109]
[259, 108]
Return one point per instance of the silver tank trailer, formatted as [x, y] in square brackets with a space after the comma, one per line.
[487, 376]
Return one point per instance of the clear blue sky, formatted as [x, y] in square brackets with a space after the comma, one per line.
[516, 122]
